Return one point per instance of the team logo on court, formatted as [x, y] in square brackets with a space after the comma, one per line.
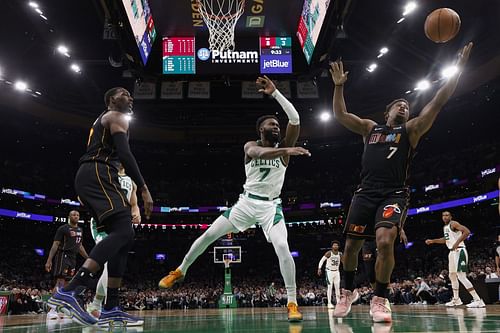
[389, 210]
[203, 54]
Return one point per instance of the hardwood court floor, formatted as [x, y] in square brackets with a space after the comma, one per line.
[406, 318]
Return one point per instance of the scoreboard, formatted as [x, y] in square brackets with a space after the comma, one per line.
[264, 55]
[179, 55]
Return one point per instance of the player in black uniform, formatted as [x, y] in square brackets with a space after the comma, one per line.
[378, 208]
[99, 190]
[62, 256]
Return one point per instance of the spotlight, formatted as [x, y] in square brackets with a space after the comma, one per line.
[423, 85]
[410, 7]
[400, 20]
[384, 50]
[449, 71]
[372, 67]
[20, 85]
[33, 4]
[63, 50]
[325, 116]
[75, 68]
[38, 11]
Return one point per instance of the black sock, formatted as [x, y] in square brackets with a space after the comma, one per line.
[381, 289]
[82, 279]
[349, 280]
[112, 299]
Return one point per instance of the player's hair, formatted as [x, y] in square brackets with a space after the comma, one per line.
[447, 211]
[336, 242]
[111, 92]
[389, 106]
[262, 119]
[73, 210]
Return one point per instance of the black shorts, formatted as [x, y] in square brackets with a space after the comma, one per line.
[372, 208]
[63, 265]
[99, 190]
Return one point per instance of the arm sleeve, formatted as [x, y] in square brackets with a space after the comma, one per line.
[128, 160]
[59, 234]
[291, 112]
[321, 262]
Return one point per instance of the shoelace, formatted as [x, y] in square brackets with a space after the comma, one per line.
[380, 306]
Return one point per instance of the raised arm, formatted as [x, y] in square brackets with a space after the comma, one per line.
[419, 125]
[293, 128]
[253, 150]
[349, 120]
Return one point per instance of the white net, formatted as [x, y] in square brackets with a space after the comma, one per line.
[221, 17]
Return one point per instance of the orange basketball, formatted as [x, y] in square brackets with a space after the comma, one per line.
[442, 25]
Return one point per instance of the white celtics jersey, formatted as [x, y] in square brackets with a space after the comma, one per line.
[126, 184]
[333, 263]
[265, 177]
[452, 236]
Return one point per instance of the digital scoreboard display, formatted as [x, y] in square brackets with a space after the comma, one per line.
[275, 55]
[310, 23]
[142, 24]
[179, 55]
[258, 55]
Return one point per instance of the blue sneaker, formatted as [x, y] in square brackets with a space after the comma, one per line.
[117, 317]
[66, 303]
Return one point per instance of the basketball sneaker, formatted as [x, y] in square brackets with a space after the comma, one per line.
[293, 312]
[454, 302]
[476, 304]
[343, 307]
[94, 310]
[119, 318]
[380, 310]
[67, 303]
[172, 278]
[330, 306]
[52, 314]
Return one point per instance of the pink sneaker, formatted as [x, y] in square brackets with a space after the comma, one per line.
[380, 310]
[343, 307]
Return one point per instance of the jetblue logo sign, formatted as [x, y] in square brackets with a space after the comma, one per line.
[276, 64]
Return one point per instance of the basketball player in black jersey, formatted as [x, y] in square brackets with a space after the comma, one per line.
[99, 190]
[378, 208]
[66, 246]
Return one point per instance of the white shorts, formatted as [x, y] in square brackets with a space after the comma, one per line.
[332, 277]
[458, 261]
[248, 212]
[96, 235]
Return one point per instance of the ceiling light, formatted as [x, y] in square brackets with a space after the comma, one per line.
[20, 85]
[325, 116]
[423, 85]
[38, 11]
[372, 67]
[400, 20]
[44, 17]
[384, 50]
[63, 50]
[449, 71]
[75, 68]
[33, 4]
[410, 7]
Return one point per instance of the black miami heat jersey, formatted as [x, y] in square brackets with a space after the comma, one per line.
[70, 239]
[100, 145]
[386, 156]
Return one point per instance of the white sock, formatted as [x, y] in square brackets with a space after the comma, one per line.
[219, 228]
[329, 290]
[468, 285]
[278, 236]
[101, 289]
[454, 285]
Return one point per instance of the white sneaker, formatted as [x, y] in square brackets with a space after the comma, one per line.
[52, 314]
[94, 311]
[476, 304]
[454, 302]
[331, 306]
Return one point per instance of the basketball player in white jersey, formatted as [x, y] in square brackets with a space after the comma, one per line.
[130, 189]
[266, 161]
[454, 236]
[332, 259]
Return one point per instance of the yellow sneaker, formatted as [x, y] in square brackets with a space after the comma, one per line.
[172, 278]
[293, 312]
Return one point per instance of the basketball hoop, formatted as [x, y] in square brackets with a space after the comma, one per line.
[221, 17]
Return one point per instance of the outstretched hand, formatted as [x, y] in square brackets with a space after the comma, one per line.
[463, 57]
[337, 73]
[266, 85]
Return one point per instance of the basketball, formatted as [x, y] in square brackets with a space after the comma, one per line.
[442, 25]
